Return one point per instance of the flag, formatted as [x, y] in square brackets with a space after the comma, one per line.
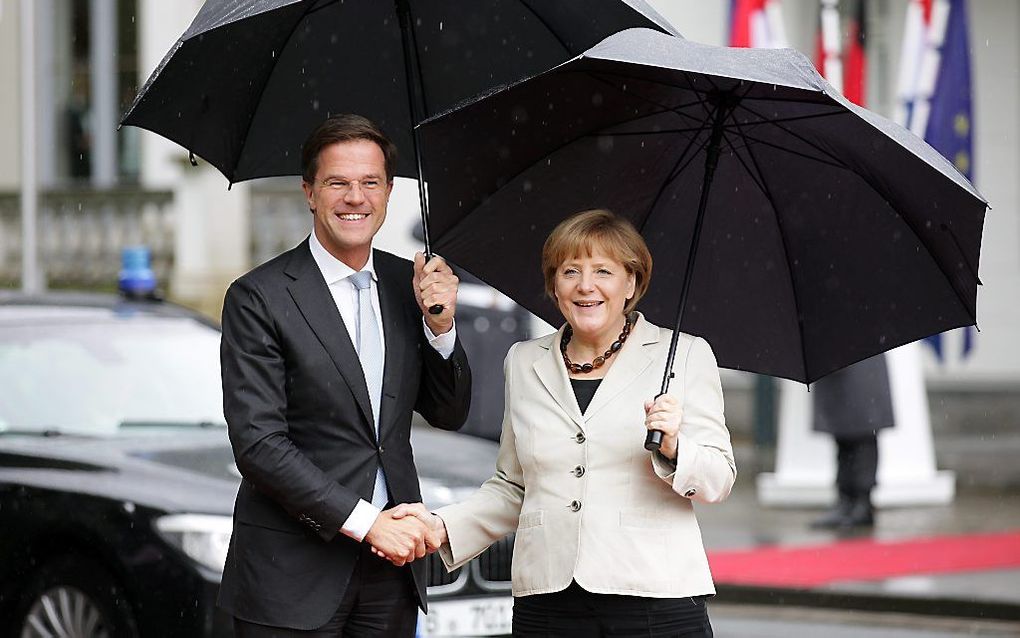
[757, 23]
[829, 60]
[844, 65]
[934, 97]
[855, 61]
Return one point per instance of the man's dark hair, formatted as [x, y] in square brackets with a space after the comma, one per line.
[345, 128]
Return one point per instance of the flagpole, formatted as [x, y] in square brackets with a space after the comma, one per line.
[31, 282]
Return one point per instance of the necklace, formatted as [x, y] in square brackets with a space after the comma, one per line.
[599, 361]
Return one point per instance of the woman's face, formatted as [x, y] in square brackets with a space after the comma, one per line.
[591, 293]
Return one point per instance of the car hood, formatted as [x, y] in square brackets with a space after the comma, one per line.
[193, 470]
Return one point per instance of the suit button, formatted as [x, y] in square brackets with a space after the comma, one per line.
[579, 471]
[579, 437]
[575, 506]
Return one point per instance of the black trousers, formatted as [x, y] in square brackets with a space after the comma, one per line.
[856, 464]
[380, 602]
[578, 613]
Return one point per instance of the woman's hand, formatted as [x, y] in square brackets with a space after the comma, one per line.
[437, 527]
[663, 414]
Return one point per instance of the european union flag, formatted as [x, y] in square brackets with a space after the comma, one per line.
[949, 129]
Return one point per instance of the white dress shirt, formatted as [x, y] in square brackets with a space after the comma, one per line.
[345, 296]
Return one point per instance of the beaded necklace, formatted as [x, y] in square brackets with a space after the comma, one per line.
[599, 361]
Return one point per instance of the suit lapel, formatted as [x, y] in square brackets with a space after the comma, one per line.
[313, 299]
[633, 359]
[553, 375]
[396, 326]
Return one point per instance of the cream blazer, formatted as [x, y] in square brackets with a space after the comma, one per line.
[587, 501]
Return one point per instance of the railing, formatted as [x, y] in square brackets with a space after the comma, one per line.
[82, 231]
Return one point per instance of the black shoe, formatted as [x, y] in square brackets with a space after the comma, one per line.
[861, 513]
[838, 516]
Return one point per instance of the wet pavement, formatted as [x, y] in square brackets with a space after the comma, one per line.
[987, 501]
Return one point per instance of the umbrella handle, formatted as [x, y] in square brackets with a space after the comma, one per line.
[436, 309]
[653, 440]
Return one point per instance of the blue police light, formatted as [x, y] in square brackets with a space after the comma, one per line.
[136, 277]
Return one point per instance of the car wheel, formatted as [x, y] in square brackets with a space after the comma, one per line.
[75, 598]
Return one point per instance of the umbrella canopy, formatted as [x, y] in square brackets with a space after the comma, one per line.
[819, 235]
[249, 80]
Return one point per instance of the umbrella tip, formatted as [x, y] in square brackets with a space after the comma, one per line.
[191, 158]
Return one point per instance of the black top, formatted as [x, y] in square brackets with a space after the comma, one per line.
[584, 390]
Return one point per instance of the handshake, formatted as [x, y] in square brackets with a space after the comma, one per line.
[405, 533]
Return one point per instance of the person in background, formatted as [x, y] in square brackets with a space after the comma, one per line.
[852, 405]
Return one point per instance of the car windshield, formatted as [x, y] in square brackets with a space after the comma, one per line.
[99, 377]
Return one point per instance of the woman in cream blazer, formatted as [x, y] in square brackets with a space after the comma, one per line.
[607, 541]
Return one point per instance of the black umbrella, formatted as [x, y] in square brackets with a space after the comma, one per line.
[249, 79]
[798, 232]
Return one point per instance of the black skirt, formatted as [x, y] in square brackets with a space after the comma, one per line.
[576, 612]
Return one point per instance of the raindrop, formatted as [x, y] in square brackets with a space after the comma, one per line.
[440, 25]
[481, 324]
[527, 186]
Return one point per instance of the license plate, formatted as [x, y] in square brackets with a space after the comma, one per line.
[489, 616]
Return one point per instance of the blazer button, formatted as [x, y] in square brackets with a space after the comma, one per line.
[579, 437]
[575, 506]
[579, 471]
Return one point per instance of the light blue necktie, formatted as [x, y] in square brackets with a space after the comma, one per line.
[369, 344]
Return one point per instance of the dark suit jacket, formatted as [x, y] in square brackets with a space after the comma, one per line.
[855, 401]
[301, 428]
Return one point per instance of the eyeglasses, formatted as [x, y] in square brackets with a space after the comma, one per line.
[343, 186]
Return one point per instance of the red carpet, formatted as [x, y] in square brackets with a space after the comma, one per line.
[867, 559]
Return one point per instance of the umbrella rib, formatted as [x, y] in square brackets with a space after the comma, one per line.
[920, 239]
[678, 109]
[796, 135]
[782, 239]
[756, 176]
[784, 120]
[797, 153]
[791, 100]
[730, 127]
[674, 172]
[258, 103]
[547, 27]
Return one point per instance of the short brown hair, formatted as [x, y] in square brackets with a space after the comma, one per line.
[345, 128]
[580, 234]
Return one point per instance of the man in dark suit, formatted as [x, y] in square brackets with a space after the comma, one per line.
[324, 357]
[853, 404]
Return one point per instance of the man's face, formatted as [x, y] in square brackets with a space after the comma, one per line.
[348, 199]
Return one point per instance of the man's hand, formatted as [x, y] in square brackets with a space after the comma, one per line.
[435, 284]
[398, 540]
[437, 528]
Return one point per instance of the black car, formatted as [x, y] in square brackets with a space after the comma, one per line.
[117, 482]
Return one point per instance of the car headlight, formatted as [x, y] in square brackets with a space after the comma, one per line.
[203, 537]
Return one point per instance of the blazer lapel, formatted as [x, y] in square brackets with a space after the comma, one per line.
[634, 359]
[397, 325]
[553, 375]
[313, 299]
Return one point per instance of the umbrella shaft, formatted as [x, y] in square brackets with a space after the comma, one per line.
[416, 109]
[723, 108]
